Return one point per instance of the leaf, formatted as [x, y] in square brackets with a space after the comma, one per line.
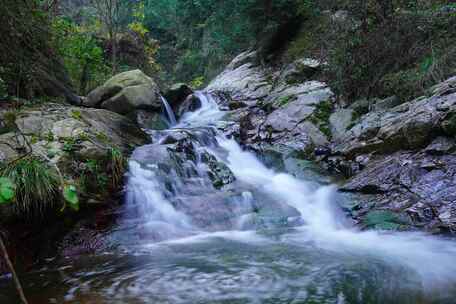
[7, 190]
[71, 196]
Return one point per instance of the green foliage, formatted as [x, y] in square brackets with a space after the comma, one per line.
[197, 82]
[76, 114]
[36, 184]
[117, 166]
[70, 144]
[380, 50]
[7, 190]
[70, 195]
[81, 52]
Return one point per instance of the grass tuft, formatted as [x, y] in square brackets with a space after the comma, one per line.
[37, 186]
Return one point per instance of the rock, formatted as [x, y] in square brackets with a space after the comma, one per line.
[243, 79]
[300, 71]
[218, 172]
[235, 104]
[149, 120]
[413, 184]
[361, 106]
[408, 126]
[98, 95]
[70, 137]
[127, 92]
[444, 88]
[441, 145]
[177, 94]
[386, 104]
[191, 104]
[339, 122]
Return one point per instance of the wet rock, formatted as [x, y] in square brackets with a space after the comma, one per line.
[218, 172]
[177, 94]
[190, 104]
[234, 105]
[413, 183]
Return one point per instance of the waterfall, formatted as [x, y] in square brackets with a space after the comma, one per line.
[323, 220]
[169, 111]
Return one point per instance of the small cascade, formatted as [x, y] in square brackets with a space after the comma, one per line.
[169, 112]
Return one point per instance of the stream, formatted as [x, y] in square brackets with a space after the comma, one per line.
[248, 233]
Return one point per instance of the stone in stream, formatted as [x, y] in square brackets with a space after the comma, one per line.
[177, 94]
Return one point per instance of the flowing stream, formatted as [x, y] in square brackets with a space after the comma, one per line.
[266, 236]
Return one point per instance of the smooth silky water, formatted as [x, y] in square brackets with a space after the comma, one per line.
[159, 253]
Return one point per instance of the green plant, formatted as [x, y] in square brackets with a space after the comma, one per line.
[49, 136]
[117, 166]
[7, 190]
[69, 144]
[102, 137]
[70, 195]
[36, 183]
[76, 114]
[197, 82]
[320, 117]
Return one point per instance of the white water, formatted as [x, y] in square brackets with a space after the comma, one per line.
[169, 112]
[434, 259]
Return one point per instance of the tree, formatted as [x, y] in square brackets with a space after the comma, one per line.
[30, 65]
[109, 13]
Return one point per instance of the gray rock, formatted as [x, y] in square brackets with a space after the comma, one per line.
[191, 104]
[177, 93]
[127, 92]
[408, 126]
[98, 95]
[386, 104]
[339, 122]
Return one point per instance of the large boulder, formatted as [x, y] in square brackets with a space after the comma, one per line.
[125, 93]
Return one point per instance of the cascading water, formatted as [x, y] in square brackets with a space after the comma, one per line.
[169, 111]
[206, 222]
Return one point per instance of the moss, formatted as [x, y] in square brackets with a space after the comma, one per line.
[321, 115]
[283, 101]
[76, 114]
